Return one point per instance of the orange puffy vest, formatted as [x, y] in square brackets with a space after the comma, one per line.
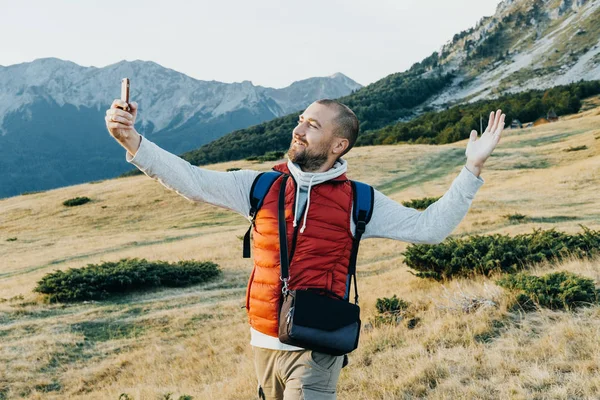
[318, 259]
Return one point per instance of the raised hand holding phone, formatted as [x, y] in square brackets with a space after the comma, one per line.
[120, 120]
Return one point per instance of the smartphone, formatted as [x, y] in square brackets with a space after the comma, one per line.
[125, 93]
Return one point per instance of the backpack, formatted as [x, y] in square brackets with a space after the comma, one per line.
[362, 211]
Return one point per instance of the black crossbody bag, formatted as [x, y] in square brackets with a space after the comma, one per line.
[311, 318]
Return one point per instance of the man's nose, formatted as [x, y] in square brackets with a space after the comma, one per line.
[300, 130]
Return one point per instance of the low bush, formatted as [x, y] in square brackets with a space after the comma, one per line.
[76, 201]
[99, 281]
[420, 204]
[484, 255]
[271, 156]
[391, 305]
[133, 172]
[32, 192]
[392, 310]
[577, 148]
[557, 290]
[11, 239]
[233, 169]
[515, 217]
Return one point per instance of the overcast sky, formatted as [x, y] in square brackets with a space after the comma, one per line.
[269, 42]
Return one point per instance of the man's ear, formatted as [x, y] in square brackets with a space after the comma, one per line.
[340, 145]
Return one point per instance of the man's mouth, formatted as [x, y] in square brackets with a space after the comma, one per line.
[299, 143]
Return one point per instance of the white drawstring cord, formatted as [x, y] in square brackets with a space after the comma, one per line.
[307, 205]
[296, 210]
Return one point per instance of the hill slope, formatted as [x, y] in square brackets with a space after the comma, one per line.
[195, 341]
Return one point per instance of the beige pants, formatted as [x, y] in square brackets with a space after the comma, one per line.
[296, 375]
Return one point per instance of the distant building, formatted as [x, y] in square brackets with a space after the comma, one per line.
[516, 124]
[552, 117]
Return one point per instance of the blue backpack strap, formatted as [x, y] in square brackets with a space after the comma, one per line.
[260, 187]
[364, 197]
[362, 211]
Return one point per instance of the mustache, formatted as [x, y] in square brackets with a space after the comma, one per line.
[299, 140]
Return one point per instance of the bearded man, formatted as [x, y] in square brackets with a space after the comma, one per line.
[318, 205]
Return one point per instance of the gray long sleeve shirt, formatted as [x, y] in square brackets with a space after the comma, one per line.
[231, 190]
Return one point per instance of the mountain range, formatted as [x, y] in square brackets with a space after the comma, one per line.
[48, 106]
[52, 130]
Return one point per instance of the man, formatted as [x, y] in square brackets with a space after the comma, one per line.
[318, 202]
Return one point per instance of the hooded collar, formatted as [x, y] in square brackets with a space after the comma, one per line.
[308, 179]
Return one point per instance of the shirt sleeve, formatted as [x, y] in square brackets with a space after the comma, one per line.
[392, 220]
[230, 190]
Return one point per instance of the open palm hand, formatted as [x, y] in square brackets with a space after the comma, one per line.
[478, 150]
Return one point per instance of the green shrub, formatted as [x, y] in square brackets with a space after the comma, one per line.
[233, 169]
[133, 172]
[558, 290]
[271, 156]
[515, 217]
[32, 192]
[11, 239]
[99, 281]
[76, 201]
[577, 148]
[391, 305]
[392, 310]
[485, 255]
[420, 204]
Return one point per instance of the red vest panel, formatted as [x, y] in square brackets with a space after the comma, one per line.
[322, 252]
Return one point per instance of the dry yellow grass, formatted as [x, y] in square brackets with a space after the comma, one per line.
[195, 340]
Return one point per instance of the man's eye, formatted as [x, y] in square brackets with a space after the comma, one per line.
[311, 125]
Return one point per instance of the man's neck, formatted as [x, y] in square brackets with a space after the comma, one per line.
[323, 168]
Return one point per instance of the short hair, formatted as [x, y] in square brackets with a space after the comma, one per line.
[346, 122]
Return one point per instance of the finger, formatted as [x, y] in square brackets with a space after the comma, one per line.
[497, 120]
[118, 119]
[473, 135]
[500, 124]
[118, 103]
[490, 121]
[115, 128]
[120, 113]
[134, 106]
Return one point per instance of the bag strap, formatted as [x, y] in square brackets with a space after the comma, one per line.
[260, 187]
[283, 244]
[363, 201]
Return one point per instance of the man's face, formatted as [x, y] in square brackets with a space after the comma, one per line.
[313, 139]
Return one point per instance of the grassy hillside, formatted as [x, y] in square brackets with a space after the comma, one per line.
[195, 340]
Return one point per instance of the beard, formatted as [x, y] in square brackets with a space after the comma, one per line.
[308, 160]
